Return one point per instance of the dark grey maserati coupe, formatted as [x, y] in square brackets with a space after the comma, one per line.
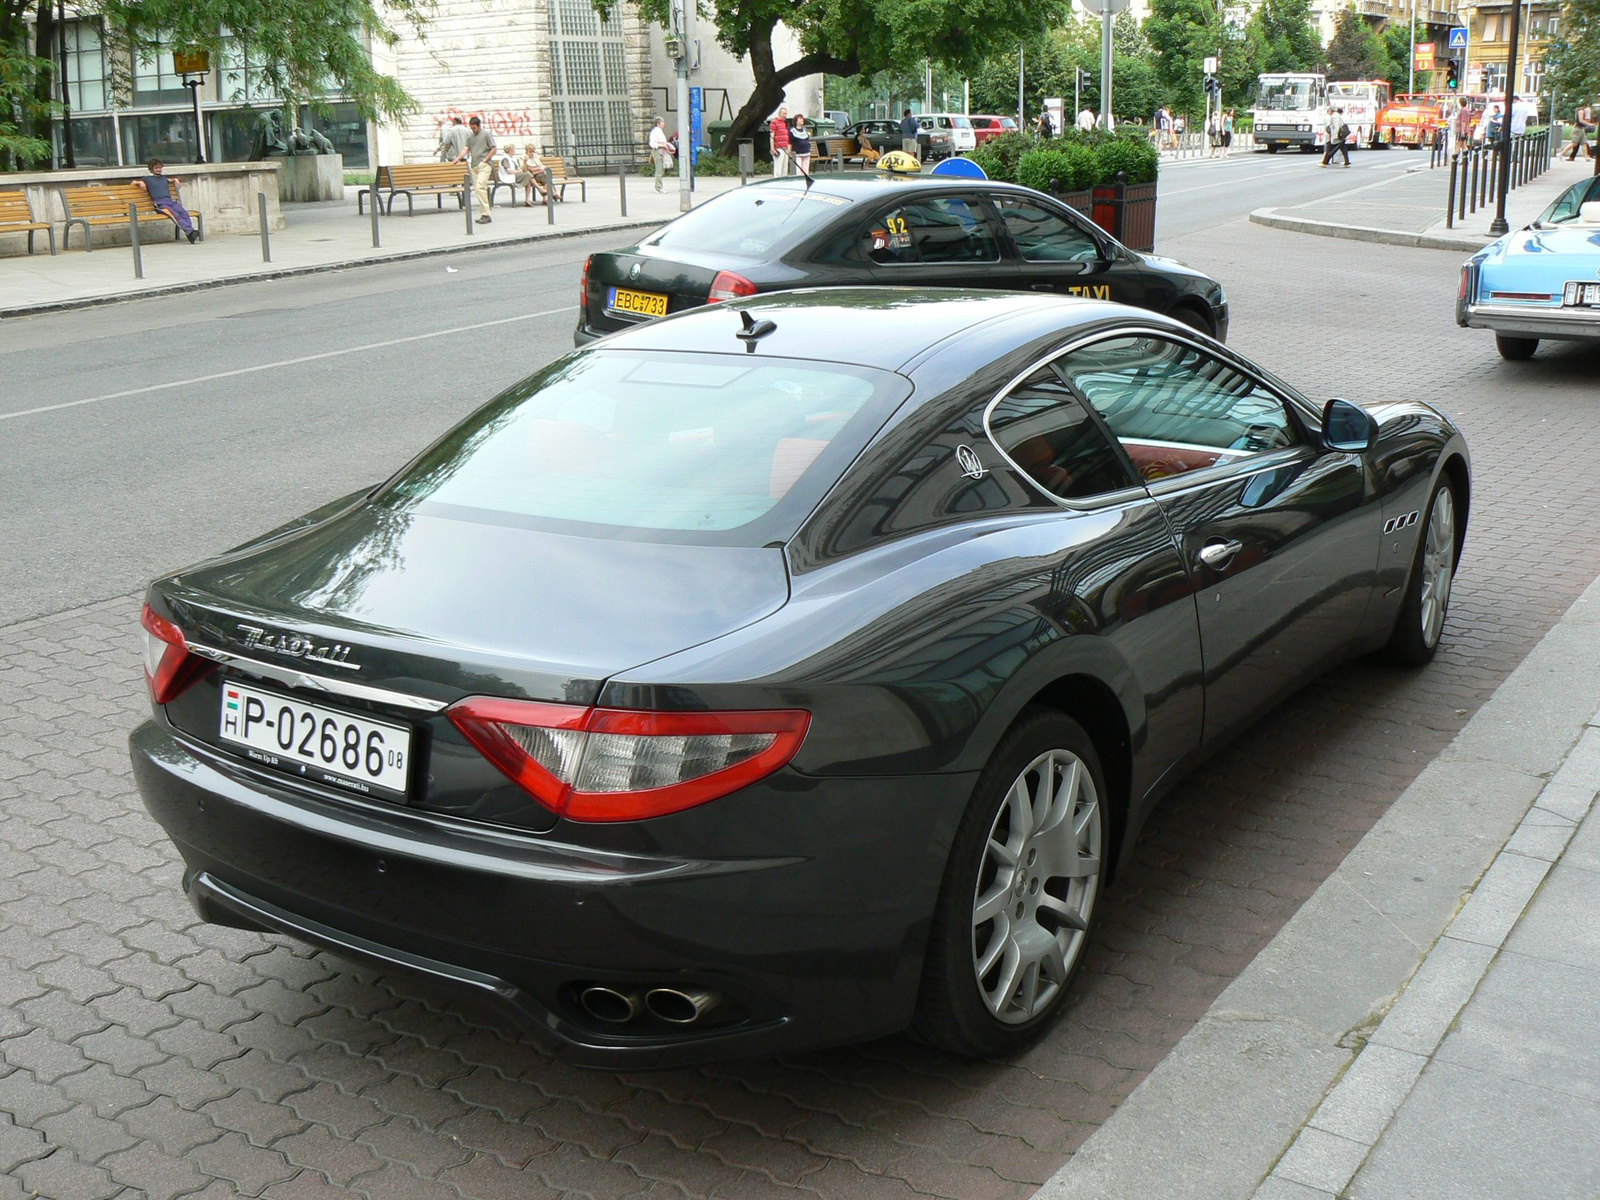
[783, 673]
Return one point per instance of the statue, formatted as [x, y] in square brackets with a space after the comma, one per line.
[320, 143]
[269, 137]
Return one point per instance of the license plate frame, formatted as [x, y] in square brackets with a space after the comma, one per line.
[631, 303]
[257, 734]
[1580, 293]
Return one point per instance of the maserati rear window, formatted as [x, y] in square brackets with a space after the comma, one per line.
[750, 221]
[699, 447]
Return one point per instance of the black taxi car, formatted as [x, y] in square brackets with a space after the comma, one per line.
[855, 228]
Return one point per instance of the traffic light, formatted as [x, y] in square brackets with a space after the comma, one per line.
[1083, 77]
[1452, 75]
[1213, 87]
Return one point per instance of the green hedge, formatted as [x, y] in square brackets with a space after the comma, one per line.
[1078, 160]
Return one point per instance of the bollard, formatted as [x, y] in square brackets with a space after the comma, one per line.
[466, 202]
[1450, 202]
[266, 244]
[1472, 187]
[133, 240]
[622, 186]
[374, 195]
[838, 159]
[550, 205]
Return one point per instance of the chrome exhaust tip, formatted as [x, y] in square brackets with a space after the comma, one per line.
[608, 1004]
[679, 1006]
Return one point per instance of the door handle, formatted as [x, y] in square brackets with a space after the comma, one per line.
[1218, 553]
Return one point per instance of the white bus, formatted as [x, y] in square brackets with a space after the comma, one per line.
[1362, 100]
[1291, 109]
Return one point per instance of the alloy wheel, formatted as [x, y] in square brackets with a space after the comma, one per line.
[1438, 566]
[1037, 886]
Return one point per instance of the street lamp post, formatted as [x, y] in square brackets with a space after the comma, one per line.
[1498, 225]
[192, 62]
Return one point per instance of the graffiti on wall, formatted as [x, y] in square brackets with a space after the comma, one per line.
[501, 122]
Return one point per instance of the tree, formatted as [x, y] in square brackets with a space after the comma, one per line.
[1182, 34]
[857, 37]
[1289, 34]
[1572, 62]
[309, 49]
[1354, 49]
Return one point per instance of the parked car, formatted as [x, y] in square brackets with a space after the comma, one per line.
[785, 673]
[986, 128]
[945, 134]
[1541, 282]
[871, 228]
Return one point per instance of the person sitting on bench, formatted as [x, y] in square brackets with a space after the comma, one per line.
[164, 195]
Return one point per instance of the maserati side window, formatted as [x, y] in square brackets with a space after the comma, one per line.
[1175, 408]
[1044, 236]
[942, 229]
[1043, 428]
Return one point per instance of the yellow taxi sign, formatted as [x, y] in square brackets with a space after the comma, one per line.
[900, 162]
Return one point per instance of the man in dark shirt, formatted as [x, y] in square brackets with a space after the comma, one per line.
[908, 135]
[164, 195]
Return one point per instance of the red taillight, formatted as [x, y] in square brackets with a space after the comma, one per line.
[1465, 273]
[608, 764]
[168, 665]
[728, 286]
[583, 289]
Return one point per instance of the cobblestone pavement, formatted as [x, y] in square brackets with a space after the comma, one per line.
[145, 1055]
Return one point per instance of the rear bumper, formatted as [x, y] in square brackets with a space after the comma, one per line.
[817, 948]
[1554, 324]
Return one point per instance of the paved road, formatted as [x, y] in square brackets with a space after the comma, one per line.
[142, 1054]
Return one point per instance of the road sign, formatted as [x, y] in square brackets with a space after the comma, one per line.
[1422, 56]
[1211, 66]
[1458, 39]
[1101, 7]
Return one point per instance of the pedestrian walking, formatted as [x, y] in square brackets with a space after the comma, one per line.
[452, 140]
[479, 153]
[800, 144]
[1086, 118]
[779, 125]
[1214, 134]
[1163, 124]
[909, 142]
[1338, 132]
[1227, 133]
[163, 193]
[1584, 124]
[660, 150]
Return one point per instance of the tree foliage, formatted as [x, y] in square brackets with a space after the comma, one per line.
[1572, 62]
[1355, 51]
[1289, 35]
[857, 37]
[1182, 34]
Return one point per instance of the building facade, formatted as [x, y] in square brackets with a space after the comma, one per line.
[1489, 31]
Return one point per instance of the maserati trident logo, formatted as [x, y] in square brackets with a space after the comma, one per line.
[293, 645]
[633, 271]
[971, 466]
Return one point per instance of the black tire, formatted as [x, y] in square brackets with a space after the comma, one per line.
[1515, 349]
[1415, 637]
[1194, 319]
[953, 1012]
[1272, 149]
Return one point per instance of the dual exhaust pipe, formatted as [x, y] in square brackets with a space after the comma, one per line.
[675, 1006]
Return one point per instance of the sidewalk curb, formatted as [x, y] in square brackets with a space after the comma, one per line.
[168, 289]
[1230, 1103]
[1274, 218]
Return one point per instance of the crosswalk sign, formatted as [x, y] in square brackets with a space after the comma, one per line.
[1458, 39]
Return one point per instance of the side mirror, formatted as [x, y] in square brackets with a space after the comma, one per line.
[1348, 427]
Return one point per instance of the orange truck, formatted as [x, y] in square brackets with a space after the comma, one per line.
[1410, 121]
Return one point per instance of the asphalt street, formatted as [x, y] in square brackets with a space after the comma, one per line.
[144, 435]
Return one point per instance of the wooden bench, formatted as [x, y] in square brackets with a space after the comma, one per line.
[560, 180]
[99, 204]
[16, 216]
[419, 179]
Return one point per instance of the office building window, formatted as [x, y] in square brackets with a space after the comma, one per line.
[86, 67]
[243, 77]
[155, 80]
[591, 110]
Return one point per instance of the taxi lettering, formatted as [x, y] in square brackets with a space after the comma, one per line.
[1092, 291]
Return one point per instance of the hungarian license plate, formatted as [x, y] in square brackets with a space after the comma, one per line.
[321, 744]
[1579, 294]
[646, 304]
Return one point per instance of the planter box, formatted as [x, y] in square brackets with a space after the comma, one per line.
[1126, 211]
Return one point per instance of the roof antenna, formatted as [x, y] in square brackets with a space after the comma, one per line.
[753, 329]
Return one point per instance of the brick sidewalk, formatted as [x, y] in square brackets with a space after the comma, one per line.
[145, 1055]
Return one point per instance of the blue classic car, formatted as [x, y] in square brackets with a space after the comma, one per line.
[1542, 282]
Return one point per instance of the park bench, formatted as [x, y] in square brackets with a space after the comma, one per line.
[560, 180]
[419, 179]
[98, 204]
[16, 216]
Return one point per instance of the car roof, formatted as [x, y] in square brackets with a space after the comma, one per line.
[883, 327]
[864, 185]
